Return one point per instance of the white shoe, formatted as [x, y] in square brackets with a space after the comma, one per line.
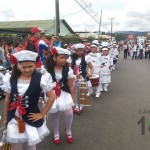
[98, 95]
[101, 89]
[105, 89]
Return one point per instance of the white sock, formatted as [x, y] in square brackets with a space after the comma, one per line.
[68, 121]
[55, 123]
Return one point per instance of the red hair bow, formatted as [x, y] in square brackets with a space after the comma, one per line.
[13, 60]
[54, 51]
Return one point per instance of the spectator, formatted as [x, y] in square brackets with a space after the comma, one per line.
[39, 45]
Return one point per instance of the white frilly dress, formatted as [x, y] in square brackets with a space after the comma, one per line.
[64, 102]
[32, 135]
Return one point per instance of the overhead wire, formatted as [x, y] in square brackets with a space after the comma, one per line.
[72, 13]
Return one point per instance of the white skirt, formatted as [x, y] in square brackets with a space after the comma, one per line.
[62, 103]
[32, 135]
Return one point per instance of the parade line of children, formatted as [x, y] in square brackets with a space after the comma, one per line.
[24, 85]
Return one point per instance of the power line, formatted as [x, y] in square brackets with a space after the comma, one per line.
[90, 13]
[72, 13]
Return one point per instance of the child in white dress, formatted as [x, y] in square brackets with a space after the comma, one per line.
[80, 64]
[23, 87]
[63, 78]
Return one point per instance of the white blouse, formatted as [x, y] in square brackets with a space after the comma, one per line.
[22, 85]
[58, 74]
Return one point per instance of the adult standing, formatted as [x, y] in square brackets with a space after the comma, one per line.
[141, 48]
[2, 57]
[125, 47]
[135, 48]
[39, 45]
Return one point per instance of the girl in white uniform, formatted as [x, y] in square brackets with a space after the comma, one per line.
[79, 63]
[96, 60]
[23, 87]
[63, 78]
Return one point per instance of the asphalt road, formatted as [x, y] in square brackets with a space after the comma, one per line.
[111, 123]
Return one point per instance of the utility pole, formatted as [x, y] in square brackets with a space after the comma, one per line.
[57, 17]
[111, 19]
[100, 23]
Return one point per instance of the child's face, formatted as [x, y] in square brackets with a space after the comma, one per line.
[105, 53]
[94, 49]
[79, 52]
[26, 68]
[61, 60]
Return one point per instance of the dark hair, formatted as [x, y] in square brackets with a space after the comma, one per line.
[15, 72]
[74, 56]
[50, 63]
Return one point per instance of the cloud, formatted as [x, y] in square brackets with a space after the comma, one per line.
[129, 14]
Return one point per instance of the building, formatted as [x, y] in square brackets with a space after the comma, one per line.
[84, 36]
[23, 27]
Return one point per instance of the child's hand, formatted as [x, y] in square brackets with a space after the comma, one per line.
[35, 116]
[89, 74]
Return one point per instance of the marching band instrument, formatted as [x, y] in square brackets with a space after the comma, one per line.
[84, 98]
[81, 91]
[94, 80]
[3, 144]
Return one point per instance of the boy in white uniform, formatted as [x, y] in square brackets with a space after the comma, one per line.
[114, 54]
[105, 70]
[96, 60]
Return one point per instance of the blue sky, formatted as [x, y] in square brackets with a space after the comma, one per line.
[128, 14]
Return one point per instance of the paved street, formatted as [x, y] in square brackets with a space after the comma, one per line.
[111, 122]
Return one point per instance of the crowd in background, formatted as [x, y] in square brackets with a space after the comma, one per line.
[137, 50]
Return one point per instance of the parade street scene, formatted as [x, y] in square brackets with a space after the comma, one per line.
[74, 75]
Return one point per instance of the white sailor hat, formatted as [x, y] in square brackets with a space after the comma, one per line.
[96, 42]
[94, 45]
[105, 48]
[79, 46]
[60, 50]
[25, 55]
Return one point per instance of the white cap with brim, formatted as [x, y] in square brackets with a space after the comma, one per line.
[62, 51]
[25, 55]
[95, 42]
[105, 48]
[79, 46]
[94, 45]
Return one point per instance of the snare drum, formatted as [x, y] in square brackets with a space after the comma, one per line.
[94, 80]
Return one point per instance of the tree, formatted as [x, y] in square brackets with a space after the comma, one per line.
[90, 38]
[120, 37]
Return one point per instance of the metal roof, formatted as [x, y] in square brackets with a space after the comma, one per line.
[25, 26]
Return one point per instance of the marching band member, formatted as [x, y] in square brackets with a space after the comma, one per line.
[79, 63]
[114, 54]
[96, 60]
[106, 68]
[22, 116]
[63, 78]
